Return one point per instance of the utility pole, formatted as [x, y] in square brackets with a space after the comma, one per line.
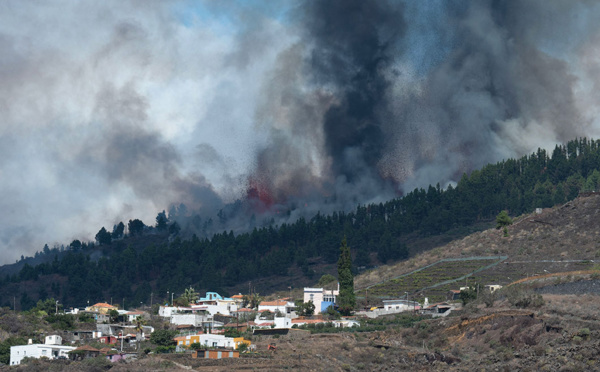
[151, 294]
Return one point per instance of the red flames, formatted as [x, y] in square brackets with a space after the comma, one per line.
[260, 195]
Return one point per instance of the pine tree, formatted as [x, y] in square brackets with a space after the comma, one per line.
[347, 299]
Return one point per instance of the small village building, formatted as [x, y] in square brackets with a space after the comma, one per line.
[214, 304]
[453, 295]
[321, 298]
[109, 340]
[283, 322]
[239, 299]
[84, 352]
[101, 307]
[196, 319]
[438, 309]
[210, 340]
[52, 348]
[493, 287]
[283, 306]
[400, 305]
[216, 354]
[133, 315]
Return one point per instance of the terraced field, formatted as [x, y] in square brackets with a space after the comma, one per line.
[443, 274]
[436, 280]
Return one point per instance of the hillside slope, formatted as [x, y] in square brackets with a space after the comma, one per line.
[560, 239]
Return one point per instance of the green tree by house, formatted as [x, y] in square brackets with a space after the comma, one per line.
[114, 315]
[190, 295]
[140, 322]
[305, 308]
[346, 299]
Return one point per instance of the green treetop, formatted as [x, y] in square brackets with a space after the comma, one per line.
[347, 299]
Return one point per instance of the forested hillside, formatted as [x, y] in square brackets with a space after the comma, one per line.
[133, 267]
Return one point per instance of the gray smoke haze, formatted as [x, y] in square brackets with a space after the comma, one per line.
[116, 110]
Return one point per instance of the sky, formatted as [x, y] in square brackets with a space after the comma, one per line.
[116, 110]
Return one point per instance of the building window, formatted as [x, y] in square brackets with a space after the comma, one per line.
[312, 297]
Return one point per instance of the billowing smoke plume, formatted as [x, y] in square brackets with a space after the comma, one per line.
[380, 97]
[117, 110]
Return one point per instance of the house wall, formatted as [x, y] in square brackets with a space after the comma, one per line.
[216, 340]
[315, 295]
[318, 295]
[17, 353]
[272, 308]
[283, 322]
[194, 319]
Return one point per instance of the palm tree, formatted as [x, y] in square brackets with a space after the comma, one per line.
[139, 327]
[190, 295]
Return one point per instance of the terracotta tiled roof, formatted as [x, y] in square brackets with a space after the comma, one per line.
[183, 326]
[105, 350]
[103, 304]
[308, 321]
[237, 296]
[273, 303]
[87, 348]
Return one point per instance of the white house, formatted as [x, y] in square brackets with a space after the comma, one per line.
[321, 298]
[214, 303]
[283, 322]
[206, 339]
[133, 315]
[493, 287]
[52, 348]
[283, 306]
[194, 319]
[400, 305]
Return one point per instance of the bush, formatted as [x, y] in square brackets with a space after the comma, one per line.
[98, 363]
[584, 333]
[164, 349]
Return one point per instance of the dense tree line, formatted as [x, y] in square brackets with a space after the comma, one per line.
[226, 259]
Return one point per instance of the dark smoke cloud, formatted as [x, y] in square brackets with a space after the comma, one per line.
[119, 109]
[418, 96]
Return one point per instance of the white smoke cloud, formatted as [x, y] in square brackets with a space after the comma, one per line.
[109, 109]
[113, 110]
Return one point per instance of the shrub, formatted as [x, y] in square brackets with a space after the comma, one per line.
[584, 333]
[164, 349]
